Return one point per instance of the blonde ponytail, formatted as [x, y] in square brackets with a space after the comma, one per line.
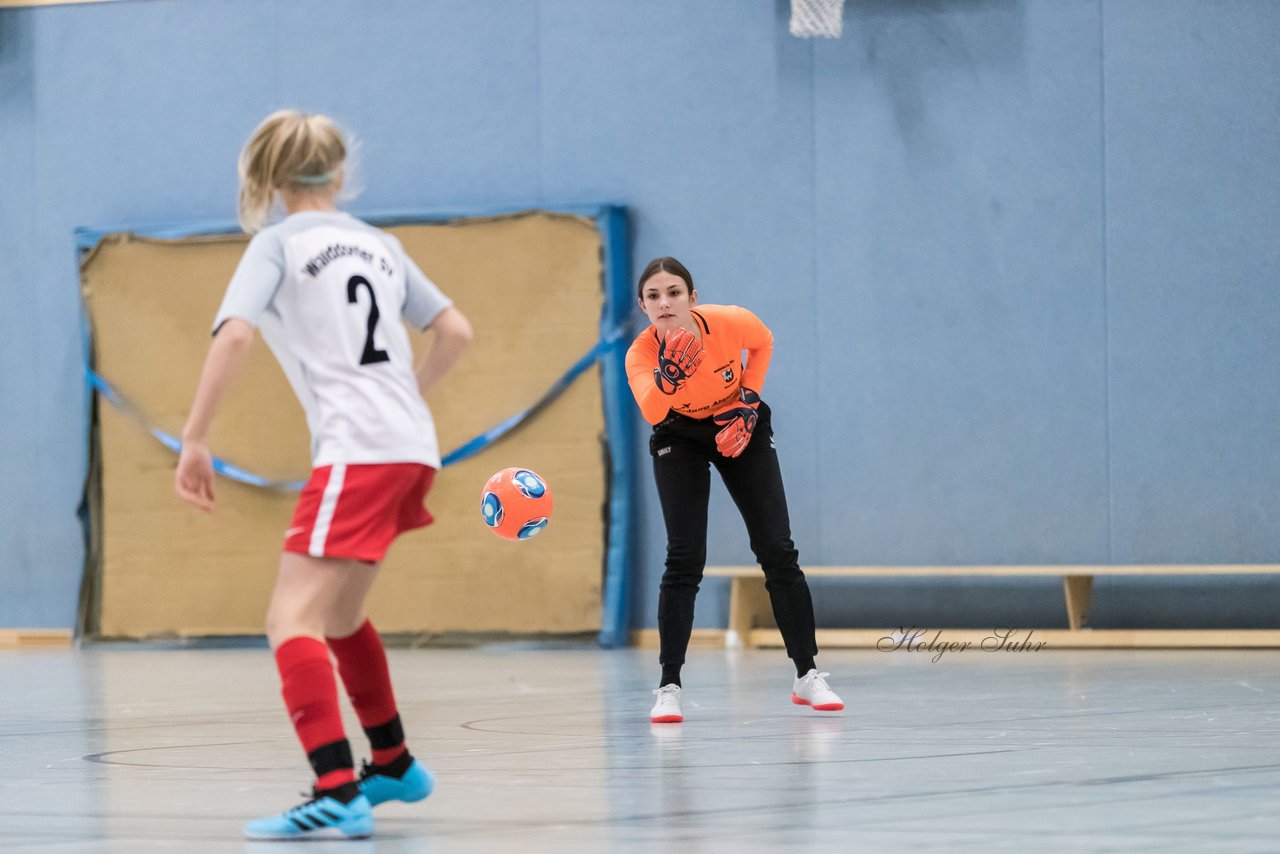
[289, 147]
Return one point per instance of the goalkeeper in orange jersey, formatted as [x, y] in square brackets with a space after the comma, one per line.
[687, 375]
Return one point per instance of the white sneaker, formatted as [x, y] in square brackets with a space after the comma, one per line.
[812, 690]
[667, 709]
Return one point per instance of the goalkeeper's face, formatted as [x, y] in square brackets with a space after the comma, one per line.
[667, 302]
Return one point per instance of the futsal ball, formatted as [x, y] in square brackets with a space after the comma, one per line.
[516, 504]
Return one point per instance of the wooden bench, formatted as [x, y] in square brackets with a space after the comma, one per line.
[29, 638]
[751, 621]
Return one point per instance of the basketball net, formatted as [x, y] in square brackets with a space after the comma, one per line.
[811, 18]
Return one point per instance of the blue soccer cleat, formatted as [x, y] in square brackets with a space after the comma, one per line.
[318, 818]
[379, 786]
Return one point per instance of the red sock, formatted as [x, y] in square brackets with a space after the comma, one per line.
[311, 696]
[362, 663]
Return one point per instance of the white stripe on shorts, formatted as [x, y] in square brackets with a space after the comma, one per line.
[328, 503]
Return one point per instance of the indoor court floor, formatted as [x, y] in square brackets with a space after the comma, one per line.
[119, 748]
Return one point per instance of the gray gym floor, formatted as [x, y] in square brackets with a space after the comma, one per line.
[133, 749]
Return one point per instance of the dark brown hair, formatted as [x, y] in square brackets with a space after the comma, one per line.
[666, 264]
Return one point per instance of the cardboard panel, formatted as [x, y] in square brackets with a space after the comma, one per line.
[531, 285]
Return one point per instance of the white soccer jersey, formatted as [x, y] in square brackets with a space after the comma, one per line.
[327, 292]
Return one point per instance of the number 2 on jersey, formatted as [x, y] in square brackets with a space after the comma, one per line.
[371, 353]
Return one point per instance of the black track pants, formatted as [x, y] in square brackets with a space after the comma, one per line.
[681, 449]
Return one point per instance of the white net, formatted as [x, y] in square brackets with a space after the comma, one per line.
[811, 18]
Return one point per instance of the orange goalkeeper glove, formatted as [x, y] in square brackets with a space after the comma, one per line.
[737, 421]
[679, 355]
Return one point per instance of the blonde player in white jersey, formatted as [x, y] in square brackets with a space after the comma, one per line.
[328, 293]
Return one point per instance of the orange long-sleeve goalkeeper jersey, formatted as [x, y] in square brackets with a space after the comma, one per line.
[726, 330]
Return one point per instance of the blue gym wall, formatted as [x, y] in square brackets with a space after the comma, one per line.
[1020, 258]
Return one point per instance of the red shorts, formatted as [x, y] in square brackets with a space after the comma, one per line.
[355, 511]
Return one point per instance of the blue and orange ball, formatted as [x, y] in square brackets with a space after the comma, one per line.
[516, 504]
